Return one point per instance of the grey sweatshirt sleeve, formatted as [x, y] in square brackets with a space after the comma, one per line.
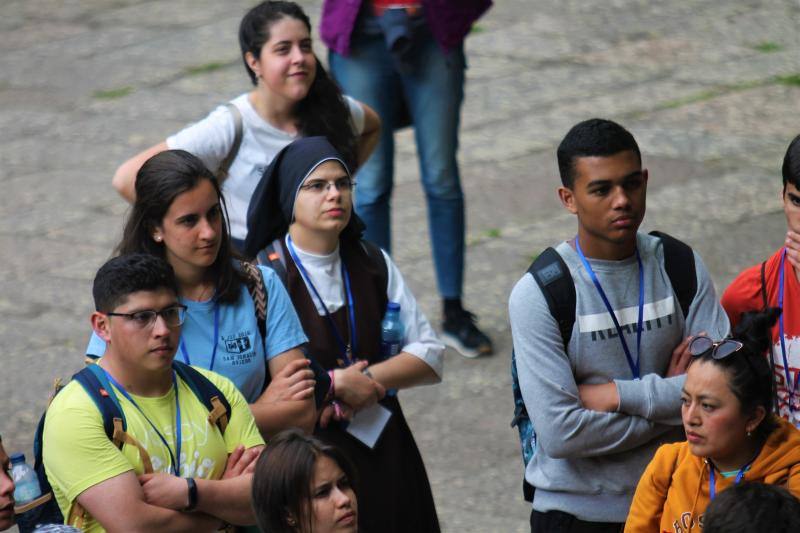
[564, 428]
[653, 397]
[658, 398]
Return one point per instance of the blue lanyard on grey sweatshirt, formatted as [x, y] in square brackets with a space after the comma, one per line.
[634, 365]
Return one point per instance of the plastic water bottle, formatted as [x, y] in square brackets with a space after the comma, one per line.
[25, 481]
[392, 334]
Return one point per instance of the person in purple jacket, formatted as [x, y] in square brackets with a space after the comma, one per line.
[405, 59]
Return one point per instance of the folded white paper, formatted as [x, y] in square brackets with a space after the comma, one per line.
[367, 424]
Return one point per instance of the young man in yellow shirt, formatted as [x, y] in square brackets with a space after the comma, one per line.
[198, 478]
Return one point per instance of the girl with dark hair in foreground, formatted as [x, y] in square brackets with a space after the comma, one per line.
[302, 485]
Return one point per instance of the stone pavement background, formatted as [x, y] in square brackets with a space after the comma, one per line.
[710, 89]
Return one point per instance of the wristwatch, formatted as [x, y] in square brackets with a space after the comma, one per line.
[192, 494]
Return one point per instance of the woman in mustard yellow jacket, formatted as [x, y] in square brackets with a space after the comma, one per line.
[733, 435]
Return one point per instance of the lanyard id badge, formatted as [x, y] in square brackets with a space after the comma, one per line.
[174, 457]
[214, 341]
[347, 348]
[712, 478]
[634, 365]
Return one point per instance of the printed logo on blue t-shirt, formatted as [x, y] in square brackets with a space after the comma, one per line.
[239, 348]
[238, 345]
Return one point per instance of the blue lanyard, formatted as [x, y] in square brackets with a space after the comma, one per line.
[175, 464]
[792, 388]
[712, 479]
[347, 349]
[214, 341]
[634, 365]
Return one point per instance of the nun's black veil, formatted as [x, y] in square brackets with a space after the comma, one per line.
[272, 203]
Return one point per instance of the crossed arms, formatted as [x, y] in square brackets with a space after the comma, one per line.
[154, 501]
[580, 420]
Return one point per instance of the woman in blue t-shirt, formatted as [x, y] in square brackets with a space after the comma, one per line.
[179, 215]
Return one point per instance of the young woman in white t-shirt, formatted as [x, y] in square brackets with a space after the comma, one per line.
[293, 97]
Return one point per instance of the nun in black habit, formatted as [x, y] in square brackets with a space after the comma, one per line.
[302, 214]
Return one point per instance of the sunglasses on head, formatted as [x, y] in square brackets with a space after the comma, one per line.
[719, 350]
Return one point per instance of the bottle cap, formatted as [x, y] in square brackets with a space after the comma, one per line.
[18, 457]
[393, 306]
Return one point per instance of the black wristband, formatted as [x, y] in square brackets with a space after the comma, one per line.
[192, 494]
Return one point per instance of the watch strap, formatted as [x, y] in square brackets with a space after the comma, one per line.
[192, 494]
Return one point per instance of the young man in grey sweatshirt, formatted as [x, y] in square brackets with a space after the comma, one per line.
[601, 407]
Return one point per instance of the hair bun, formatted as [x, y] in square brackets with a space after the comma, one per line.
[754, 328]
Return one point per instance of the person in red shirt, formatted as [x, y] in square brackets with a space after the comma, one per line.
[776, 282]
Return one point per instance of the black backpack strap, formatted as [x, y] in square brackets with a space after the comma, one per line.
[272, 256]
[680, 267]
[554, 279]
[219, 410]
[765, 299]
[375, 254]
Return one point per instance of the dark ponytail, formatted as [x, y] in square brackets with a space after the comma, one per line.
[324, 112]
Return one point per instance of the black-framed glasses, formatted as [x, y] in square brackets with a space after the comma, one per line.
[719, 350]
[343, 184]
[173, 316]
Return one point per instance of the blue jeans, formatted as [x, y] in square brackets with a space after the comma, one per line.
[433, 91]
